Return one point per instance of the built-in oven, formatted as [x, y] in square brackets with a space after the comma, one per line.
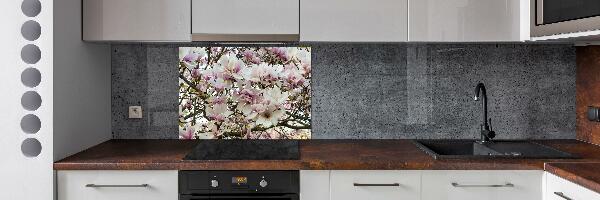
[239, 185]
[552, 17]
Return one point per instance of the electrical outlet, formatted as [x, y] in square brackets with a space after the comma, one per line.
[135, 112]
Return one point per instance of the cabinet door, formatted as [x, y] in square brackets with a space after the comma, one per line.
[468, 21]
[354, 20]
[136, 20]
[225, 20]
[560, 189]
[314, 185]
[482, 185]
[375, 185]
[117, 185]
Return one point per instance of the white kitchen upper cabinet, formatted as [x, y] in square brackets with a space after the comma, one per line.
[468, 20]
[354, 20]
[482, 185]
[375, 185]
[245, 20]
[560, 189]
[136, 20]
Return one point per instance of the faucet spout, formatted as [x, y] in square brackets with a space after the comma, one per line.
[480, 94]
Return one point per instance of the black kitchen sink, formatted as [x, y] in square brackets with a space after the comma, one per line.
[471, 149]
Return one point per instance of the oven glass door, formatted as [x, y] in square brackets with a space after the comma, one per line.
[240, 197]
[554, 11]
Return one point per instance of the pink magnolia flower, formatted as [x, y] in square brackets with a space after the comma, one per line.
[280, 52]
[294, 77]
[187, 133]
[214, 129]
[201, 87]
[307, 69]
[202, 60]
[251, 57]
[218, 112]
[195, 73]
[187, 104]
[265, 74]
[245, 99]
[268, 112]
[191, 57]
[217, 100]
[219, 84]
[232, 68]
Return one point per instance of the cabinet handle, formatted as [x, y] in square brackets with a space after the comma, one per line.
[115, 186]
[376, 184]
[562, 195]
[470, 186]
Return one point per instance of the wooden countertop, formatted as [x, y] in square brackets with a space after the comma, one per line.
[584, 174]
[314, 155]
[331, 155]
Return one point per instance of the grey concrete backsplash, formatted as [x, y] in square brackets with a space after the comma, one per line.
[383, 91]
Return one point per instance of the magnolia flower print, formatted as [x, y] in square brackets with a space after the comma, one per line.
[244, 93]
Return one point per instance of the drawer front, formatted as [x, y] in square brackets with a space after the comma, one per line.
[482, 185]
[117, 185]
[560, 189]
[375, 185]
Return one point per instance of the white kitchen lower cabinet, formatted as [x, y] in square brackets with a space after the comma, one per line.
[117, 185]
[482, 185]
[314, 184]
[560, 189]
[375, 185]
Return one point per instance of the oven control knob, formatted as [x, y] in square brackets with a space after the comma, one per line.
[214, 183]
[263, 183]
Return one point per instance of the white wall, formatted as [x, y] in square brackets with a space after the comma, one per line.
[24, 177]
[82, 99]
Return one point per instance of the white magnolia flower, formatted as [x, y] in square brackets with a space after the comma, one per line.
[218, 112]
[269, 117]
[303, 56]
[291, 52]
[220, 83]
[186, 132]
[235, 68]
[274, 96]
[191, 56]
[257, 73]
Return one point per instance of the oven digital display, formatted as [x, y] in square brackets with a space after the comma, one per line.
[239, 180]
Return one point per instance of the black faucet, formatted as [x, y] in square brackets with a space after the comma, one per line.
[487, 134]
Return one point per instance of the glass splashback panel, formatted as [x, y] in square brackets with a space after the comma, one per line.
[244, 92]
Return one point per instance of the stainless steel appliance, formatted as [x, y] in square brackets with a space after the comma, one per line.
[552, 17]
[239, 185]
